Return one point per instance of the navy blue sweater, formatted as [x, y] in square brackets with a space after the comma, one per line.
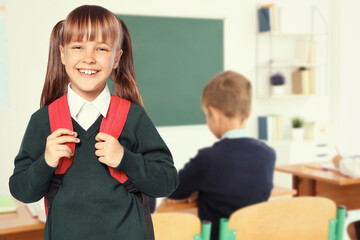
[231, 174]
[90, 204]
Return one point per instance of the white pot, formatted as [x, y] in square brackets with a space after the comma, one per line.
[277, 90]
[297, 134]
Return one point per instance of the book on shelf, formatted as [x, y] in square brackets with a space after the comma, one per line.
[303, 81]
[305, 51]
[268, 18]
[312, 81]
[264, 19]
[270, 127]
[7, 204]
[312, 52]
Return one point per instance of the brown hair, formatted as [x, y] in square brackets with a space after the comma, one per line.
[74, 28]
[230, 92]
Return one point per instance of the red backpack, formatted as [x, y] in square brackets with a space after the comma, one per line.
[113, 124]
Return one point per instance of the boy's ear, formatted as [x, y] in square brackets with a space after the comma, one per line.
[250, 112]
[214, 113]
[117, 59]
[62, 54]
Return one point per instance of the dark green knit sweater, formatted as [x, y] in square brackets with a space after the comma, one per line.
[91, 204]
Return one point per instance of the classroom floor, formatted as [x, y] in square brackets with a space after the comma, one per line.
[352, 215]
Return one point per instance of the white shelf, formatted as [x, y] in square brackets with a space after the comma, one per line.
[291, 96]
[291, 65]
[287, 141]
[292, 34]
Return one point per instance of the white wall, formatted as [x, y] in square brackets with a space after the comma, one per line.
[29, 24]
[347, 77]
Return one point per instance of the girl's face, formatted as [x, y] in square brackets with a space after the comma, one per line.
[88, 65]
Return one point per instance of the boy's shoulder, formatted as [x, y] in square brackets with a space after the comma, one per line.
[245, 144]
[244, 148]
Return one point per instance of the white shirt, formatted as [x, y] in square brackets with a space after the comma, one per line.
[85, 113]
[236, 133]
[350, 166]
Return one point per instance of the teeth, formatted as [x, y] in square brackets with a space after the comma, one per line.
[88, 72]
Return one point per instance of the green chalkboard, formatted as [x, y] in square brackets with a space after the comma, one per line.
[174, 58]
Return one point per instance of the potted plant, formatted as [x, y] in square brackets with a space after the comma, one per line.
[277, 82]
[297, 131]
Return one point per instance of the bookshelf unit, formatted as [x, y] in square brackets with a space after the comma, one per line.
[286, 52]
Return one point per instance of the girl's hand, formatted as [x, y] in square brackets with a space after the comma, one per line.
[56, 147]
[109, 150]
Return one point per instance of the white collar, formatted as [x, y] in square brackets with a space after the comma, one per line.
[236, 133]
[101, 103]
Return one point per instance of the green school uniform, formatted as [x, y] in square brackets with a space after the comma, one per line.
[90, 203]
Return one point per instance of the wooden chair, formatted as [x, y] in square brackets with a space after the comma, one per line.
[292, 218]
[180, 226]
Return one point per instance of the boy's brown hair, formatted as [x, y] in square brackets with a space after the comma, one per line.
[230, 92]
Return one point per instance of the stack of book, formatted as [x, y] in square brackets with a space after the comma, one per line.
[270, 128]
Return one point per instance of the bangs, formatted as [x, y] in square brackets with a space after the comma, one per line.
[92, 23]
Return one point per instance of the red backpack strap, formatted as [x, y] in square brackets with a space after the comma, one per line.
[113, 125]
[60, 117]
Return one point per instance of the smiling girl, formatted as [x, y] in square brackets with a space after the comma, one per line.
[89, 202]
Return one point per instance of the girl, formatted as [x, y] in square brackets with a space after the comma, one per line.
[89, 46]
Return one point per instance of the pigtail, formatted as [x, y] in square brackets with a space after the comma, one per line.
[56, 79]
[125, 84]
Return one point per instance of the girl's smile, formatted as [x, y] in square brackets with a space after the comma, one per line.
[87, 72]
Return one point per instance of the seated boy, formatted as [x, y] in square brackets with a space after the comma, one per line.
[236, 171]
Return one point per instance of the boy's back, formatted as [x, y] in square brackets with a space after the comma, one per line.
[235, 172]
[231, 174]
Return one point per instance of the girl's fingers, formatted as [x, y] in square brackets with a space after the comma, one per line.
[64, 154]
[103, 137]
[62, 148]
[99, 153]
[100, 145]
[102, 159]
[62, 131]
[67, 139]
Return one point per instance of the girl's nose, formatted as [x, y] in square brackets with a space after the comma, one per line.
[89, 57]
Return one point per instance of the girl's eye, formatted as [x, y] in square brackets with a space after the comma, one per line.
[76, 47]
[103, 49]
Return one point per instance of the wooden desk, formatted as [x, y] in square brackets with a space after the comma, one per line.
[20, 225]
[312, 182]
[278, 191]
[165, 206]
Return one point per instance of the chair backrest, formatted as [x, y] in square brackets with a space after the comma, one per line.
[292, 218]
[179, 226]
